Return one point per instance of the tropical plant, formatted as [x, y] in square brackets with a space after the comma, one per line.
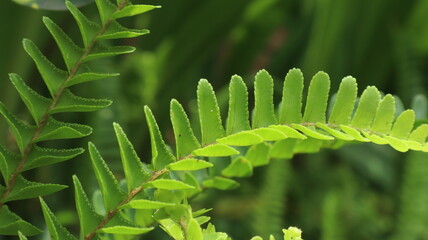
[159, 192]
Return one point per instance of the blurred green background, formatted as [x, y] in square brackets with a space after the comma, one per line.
[358, 192]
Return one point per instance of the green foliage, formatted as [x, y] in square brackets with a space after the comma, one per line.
[28, 136]
[159, 192]
[162, 189]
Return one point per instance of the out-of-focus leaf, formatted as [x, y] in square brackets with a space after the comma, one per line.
[51, 4]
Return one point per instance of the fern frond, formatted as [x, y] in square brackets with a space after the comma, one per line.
[43, 109]
[235, 149]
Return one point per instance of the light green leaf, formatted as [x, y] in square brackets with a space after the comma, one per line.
[22, 132]
[123, 230]
[133, 10]
[60, 130]
[345, 101]
[36, 104]
[46, 156]
[336, 133]
[244, 138]
[56, 230]
[366, 109]
[354, 133]
[269, 134]
[88, 218]
[101, 51]
[161, 156]
[189, 164]
[290, 132]
[316, 103]
[385, 115]
[215, 150]
[117, 31]
[220, 183]
[21, 236]
[53, 76]
[87, 28]
[167, 184]
[283, 149]
[185, 139]
[72, 103]
[403, 125]
[88, 77]
[264, 113]
[69, 50]
[11, 223]
[397, 144]
[239, 167]
[194, 230]
[311, 133]
[209, 113]
[135, 172]
[258, 154]
[419, 134]
[172, 228]
[238, 116]
[146, 204]
[24, 189]
[291, 103]
[112, 195]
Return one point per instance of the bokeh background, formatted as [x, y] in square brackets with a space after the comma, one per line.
[358, 192]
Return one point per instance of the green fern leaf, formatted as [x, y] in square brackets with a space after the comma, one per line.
[45, 156]
[258, 154]
[160, 154]
[101, 51]
[87, 28]
[60, 130]
[146, 204]
[239, 167]
[245, 138]
[87, 77]
[56, 230]
[88, 218]
[135, 172]
[316, 103]
[221, 183]
[36, 104]
[124, 230]
[117, 31]
[291, 103]
[167, 184]
[72, 103]
[8, 162]
[189, 164]
[385, 115]
[106, 9]
[366, 109]
[112, 195]
[133, 10]
[53, 76]
[209, 113]
[264, 113]
[238, 116]
[185, 139]
[215, 150]
[70, 51]
[25, 189]
[345, 102]
[22, 132]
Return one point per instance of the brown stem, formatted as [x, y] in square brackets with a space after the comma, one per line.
[130, 196]
[42, 123]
